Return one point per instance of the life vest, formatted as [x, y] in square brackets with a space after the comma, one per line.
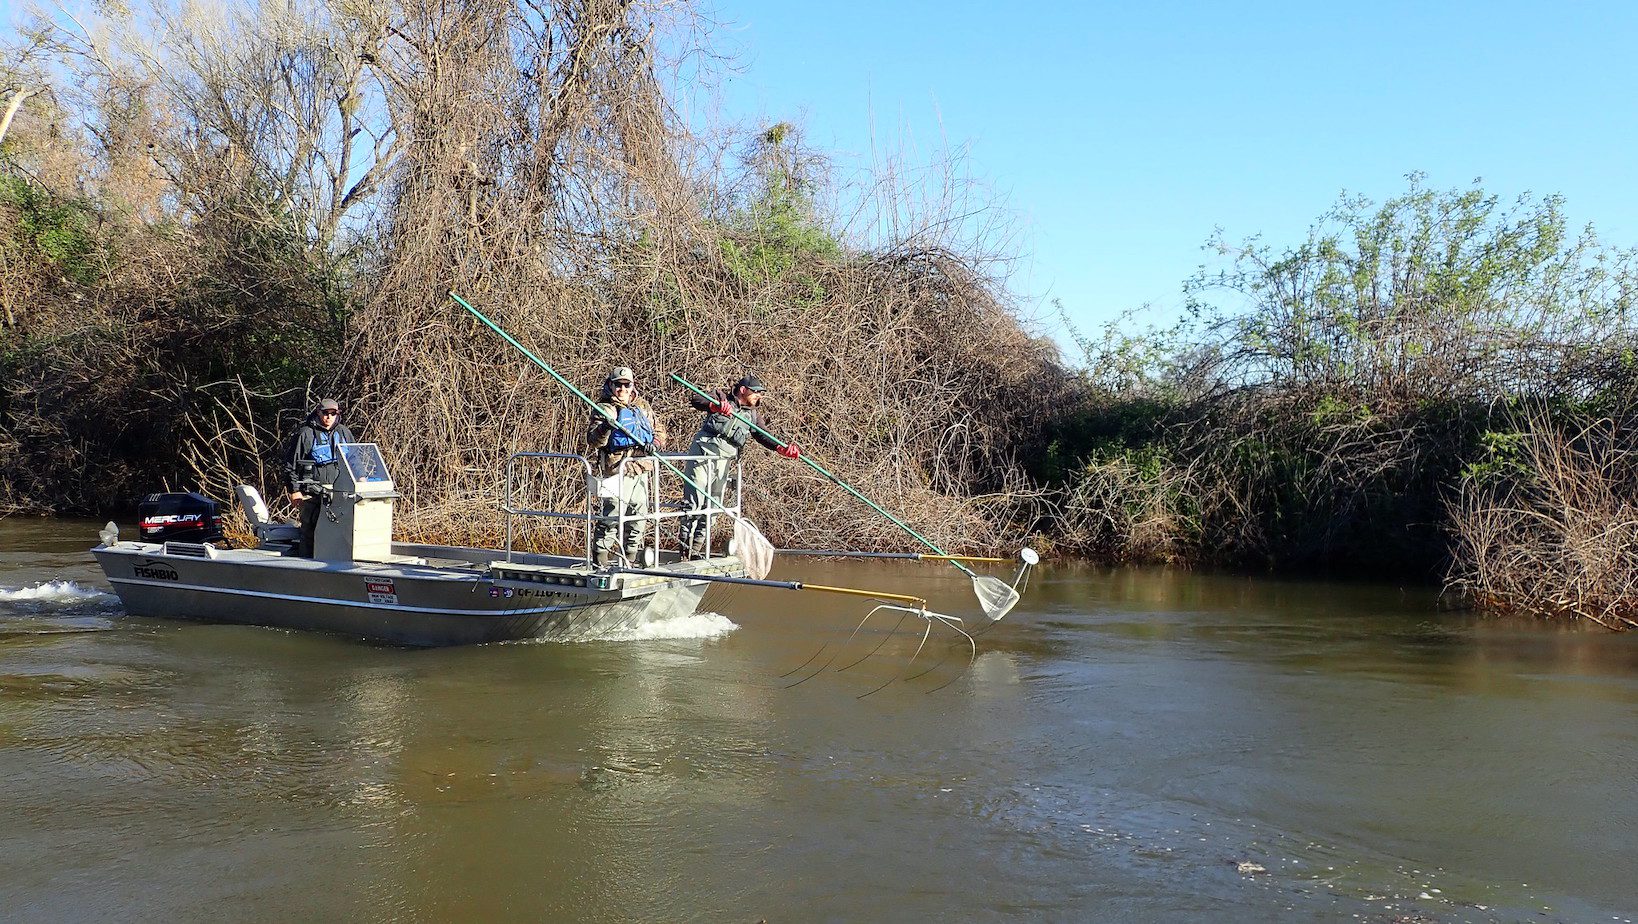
[732, 429]
[637, 424]
[324, 448]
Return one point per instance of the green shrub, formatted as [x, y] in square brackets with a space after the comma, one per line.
[59, 231]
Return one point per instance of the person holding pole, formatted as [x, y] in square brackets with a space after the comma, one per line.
[623, 493]
[731, 418]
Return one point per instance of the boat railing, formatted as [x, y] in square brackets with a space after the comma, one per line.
[657, 513]
[510, 508]
[663, 483]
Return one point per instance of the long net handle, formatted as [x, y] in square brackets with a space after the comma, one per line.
[593, 404]
[839, 482]
[919, 602]
[908, 556]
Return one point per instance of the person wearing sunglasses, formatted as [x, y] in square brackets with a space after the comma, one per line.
[729, 412]
[622, 493]
[314, 460]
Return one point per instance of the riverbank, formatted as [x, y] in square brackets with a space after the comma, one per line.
[1440, 384]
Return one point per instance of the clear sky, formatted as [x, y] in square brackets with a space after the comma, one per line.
[1120, 134]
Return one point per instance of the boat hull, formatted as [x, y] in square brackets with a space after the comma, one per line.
[450, 597]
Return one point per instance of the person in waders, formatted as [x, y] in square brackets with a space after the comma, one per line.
[622, 493]
[314, 461]
[722, 435]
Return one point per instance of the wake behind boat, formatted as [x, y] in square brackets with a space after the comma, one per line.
[360, 583]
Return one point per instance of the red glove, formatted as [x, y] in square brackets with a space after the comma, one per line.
[723, 408]
[789, 451]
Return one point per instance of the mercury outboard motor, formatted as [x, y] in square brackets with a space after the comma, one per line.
[179, 518]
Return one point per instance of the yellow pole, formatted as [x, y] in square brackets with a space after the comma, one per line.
[919, 602]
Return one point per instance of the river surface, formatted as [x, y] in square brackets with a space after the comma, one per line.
[1128, 745]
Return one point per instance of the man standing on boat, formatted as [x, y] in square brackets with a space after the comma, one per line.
[722, 435]
[623, 494]
[314, 459]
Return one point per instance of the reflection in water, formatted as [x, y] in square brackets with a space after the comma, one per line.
[1131, 745]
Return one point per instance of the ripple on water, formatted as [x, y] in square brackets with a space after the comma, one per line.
[223, 758]
[53, 687]
[1221, 857]
[616, 773]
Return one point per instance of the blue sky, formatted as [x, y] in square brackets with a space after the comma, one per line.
[1119, 135]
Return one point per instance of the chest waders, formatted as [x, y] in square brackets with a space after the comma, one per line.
[711, 475]
[629, 497]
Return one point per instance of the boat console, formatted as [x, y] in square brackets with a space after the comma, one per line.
[355, 522]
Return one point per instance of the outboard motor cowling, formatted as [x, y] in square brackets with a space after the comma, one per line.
[187, 517]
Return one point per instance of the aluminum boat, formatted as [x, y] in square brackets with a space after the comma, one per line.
[360, 583]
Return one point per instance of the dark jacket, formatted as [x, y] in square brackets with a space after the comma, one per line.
[718, 425]
[300, 464]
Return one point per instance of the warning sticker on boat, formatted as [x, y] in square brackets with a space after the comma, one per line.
[381, 591]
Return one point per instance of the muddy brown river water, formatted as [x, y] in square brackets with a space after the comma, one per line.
[1129, 745]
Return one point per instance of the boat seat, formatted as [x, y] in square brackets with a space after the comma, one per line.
[267, 530]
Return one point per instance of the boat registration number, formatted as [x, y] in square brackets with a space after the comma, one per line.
[381, 591]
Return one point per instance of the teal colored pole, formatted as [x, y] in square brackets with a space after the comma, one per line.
[582, 396]
[839, 482]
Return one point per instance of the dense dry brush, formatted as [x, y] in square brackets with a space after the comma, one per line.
[1549, 524]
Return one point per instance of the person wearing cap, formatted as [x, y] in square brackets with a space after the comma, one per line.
[623, 492]
[314, 459]
[729, 414]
